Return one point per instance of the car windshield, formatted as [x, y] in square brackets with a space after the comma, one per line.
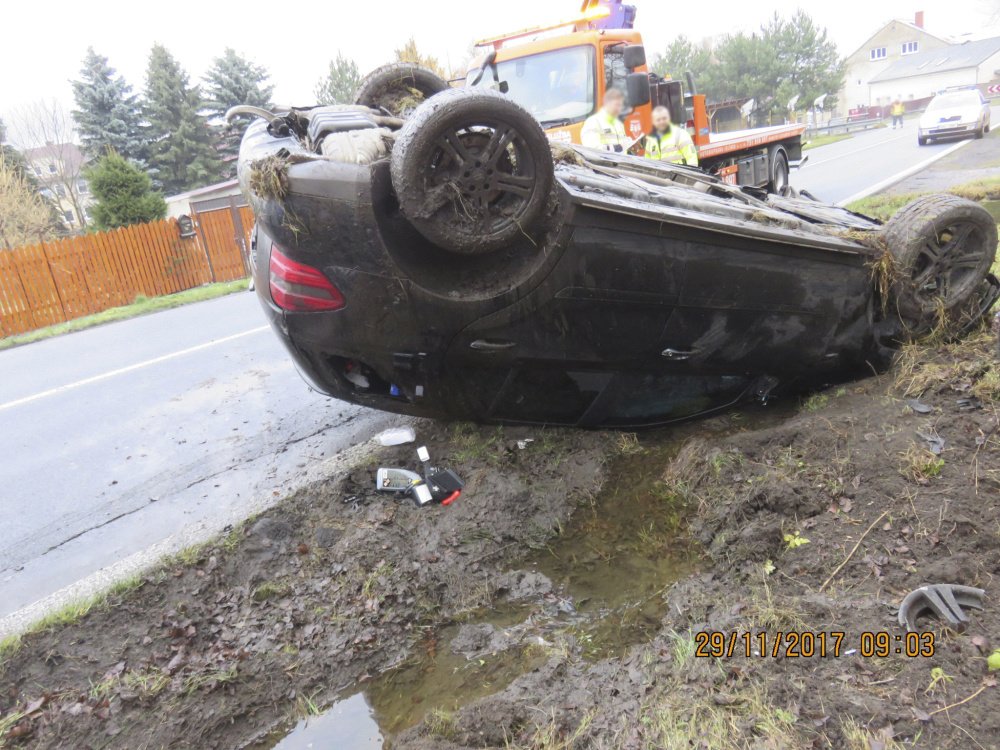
[954, 100]
[556, 87]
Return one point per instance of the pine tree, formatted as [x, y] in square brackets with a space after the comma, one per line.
[124, 194]
[682, 56]
[340, 83]
[808, 59]
[786, 58]
[182, 154]
[107, 113]
[234, 80]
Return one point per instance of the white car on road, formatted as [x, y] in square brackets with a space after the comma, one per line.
[954, 113]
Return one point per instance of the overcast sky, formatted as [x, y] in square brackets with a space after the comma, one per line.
[294, 41]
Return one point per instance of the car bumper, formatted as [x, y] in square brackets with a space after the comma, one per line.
[949, 131]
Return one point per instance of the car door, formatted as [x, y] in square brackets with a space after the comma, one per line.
[750, 305]
[601, 310]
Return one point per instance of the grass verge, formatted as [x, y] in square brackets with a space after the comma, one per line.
[141, 306]
[882, 206]
[68, 614]
[825, 140]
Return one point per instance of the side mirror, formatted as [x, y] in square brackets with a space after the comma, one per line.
[637, 88]
[634, 56]
[488, 62]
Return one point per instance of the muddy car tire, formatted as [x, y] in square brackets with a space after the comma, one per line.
[472, 171]
[399, 88]
[943, 247]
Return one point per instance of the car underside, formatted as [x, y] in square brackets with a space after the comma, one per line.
[428, 252]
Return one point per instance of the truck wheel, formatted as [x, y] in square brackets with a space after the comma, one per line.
[398, 88]
[779, 173]
[943, 246]
[472, 171]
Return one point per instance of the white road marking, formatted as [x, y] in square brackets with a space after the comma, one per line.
[890, 181]
[131, 368]
[879, 144]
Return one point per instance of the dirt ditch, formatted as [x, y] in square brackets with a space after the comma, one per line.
[558, 603]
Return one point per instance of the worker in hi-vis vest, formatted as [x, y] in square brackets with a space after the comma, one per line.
[604, 129]
[898, 110]
[669, 142]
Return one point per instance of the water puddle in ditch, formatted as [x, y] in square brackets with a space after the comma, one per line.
[348, 723]
[609, 568]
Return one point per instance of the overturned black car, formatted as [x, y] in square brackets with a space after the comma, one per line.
[429, 252]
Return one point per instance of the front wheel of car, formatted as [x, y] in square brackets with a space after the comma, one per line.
[981, 132]
[472, 171]
[921, 141]
[942, 247]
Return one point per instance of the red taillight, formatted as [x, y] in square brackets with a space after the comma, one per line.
[301, 288]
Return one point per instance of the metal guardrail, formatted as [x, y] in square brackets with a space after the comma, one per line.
[845, 126]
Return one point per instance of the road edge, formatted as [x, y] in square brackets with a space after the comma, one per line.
[101, 581]
[878, 187]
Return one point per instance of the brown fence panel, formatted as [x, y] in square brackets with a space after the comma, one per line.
[56, 281]
[64, 263]
[39, 286]
[222, 240]
[15, 312]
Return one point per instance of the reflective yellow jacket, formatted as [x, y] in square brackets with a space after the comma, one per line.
[899, 109]
[674, 146]
[602, 130]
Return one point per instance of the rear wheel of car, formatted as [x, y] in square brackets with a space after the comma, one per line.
[399, 88]
[472, 171]
[779, 173]
[942, 246]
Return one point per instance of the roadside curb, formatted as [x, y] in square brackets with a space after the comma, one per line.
[899, 177]
[141, 562]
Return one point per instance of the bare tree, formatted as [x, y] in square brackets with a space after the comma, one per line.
[25, 217]
[47, 136]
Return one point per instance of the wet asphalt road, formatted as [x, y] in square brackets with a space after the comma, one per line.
[842, 170]
[116, 437]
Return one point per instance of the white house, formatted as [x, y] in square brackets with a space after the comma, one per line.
[895, 41]
[58, 168]
[922, 75]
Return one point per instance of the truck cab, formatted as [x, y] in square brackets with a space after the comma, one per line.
[561, 71]
[562, 81]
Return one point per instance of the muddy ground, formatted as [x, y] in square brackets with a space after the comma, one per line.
[558, 604]
[754, 513]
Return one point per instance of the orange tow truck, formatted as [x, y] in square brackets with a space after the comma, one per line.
[560, 72]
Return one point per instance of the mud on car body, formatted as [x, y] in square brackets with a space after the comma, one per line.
[428, 252]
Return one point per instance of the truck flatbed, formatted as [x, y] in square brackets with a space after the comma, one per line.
[720, 144]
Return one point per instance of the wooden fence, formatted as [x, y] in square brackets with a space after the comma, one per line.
[57, 281]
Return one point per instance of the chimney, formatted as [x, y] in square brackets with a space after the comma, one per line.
[918, 19]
